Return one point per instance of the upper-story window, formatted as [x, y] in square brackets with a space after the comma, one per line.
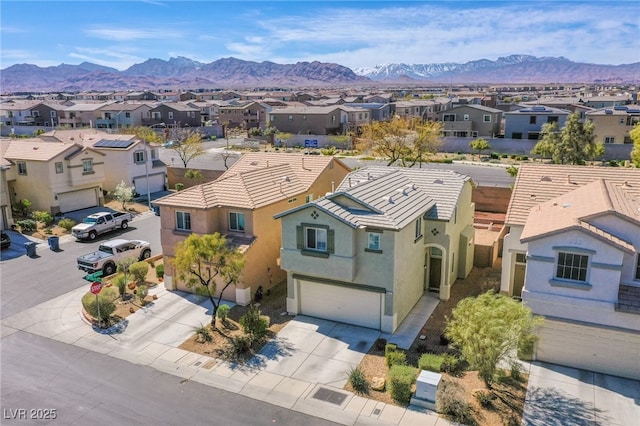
[236, 221]
[637, 276]
[466, 117]
[138, 157]
[183, 221]
[448, 117]
[87, 166]
[552, 119]
[170, 115]
[315, 239]
[486, 118]
[418, 232]
[22, 168]
[533, 119]
[53, 114]
[572, 266]
[59, 168]
[373, 241]
[609, 139]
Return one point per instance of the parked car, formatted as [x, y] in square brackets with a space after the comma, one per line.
[109, 253]
[5, 241]
[99, 223]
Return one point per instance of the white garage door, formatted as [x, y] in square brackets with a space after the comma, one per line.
[591, 348]
[76, 200]
[342, 304]
[156, 184]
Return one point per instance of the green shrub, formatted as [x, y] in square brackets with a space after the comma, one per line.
[400, 379]
[142, 293]
[495, 155]
[504, 156]
[359, 381]
[451, 400]
[105, 300]
[613, 163]
[524, 158]
[203, 334]
[451, 364]
[328, 151]
[44, 217]
[139, 271]
[396, 358]
[24, 207]
[390, 347]
[160, 271]
[179, 186]
[27, 225]
[254, 324]
[66, 223]
[516, 372]
[431, 362]
[240, 345]
[121, 282]
[223, 312]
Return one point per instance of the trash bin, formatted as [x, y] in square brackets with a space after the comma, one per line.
[31, 248]
[54, 243]
[156, 210]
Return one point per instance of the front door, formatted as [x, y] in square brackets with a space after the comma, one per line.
[519, 273]
[434, 266]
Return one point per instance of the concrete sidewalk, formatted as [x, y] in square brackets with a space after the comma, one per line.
[297, 371]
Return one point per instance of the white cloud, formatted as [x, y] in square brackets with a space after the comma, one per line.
[130, 34]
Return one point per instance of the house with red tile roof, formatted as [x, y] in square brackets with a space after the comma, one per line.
[573, 254]
[241, 204]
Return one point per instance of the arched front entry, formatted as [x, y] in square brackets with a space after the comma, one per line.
[434, 272]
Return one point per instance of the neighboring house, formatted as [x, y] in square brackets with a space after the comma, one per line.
[17, 113]
[81, 115]
[122, 115]
[241, 205]
[46, 114]
[56, 177]
[246, 115]
[607, 101]
[526, 123]
[173, 114]
[612, 125]
[377, 111]
[367, 252]
[471, 121]
[572, 255]
[6, 173]
[126, 158]
[327, 120]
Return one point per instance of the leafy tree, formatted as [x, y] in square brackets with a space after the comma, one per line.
[193, 174]
[488, 329]
[635, 137]
[124, 193]
[479, 145]
[342, 141]
[428, 140]
[512, 170]
[144, 133]
[187, 143]
[575, 137]
[203, 260]
[391, 139]
[550, 139]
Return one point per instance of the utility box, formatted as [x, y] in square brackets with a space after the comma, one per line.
[427, 389]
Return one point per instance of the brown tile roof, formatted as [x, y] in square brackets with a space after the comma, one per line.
[538, 183]
[577, 208]
[86, 137]
[254, 181]
[38, 150]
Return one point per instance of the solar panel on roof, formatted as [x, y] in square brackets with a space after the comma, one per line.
[106, 143]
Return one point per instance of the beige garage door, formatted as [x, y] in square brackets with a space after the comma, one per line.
[156, 184]
[603, 350]
[342, 304]
[76, 200]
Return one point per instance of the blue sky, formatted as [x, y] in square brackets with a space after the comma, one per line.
[351, 33]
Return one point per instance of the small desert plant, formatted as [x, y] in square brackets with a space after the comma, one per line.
[380, 343]
[390, 347]
[24, 207]
[484, 398]
[67, 223]
[27, 225]
[179, 186]
[451, 401]
[160, 271]
[223, 312]
[139, 271]
[120, 281]
[451, 364]
[396, 358]
[400, 379]
[431, 362]
[203, 334]
[240, 345]
[142, 293]
[254, 324]
[359, 381]
[44, 217]
[421, 348]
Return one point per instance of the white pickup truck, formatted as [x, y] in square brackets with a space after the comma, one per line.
[99, 223]
[110, 253]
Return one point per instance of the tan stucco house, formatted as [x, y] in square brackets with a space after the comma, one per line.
[572, 254]
[368, 251]
[241, 204]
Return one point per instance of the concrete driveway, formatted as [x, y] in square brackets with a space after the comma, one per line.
[559, 395]
[316, 351]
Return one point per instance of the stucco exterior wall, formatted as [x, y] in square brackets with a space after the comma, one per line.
[511, 246]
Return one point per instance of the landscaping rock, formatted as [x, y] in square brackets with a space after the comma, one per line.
[377, 384]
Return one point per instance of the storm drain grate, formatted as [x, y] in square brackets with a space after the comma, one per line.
[328, 395]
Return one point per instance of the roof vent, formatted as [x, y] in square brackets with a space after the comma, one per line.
[545, 179]
[388, 199]
[414, 186]
[439, 181]
[626, 184]
[565, 205]
[254, 163]
[608, 111]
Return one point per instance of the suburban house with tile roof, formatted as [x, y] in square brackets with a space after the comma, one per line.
[367, 252]
[69, 175]
[527, 122]
[241, 204]
[572, 254]
[612, 125]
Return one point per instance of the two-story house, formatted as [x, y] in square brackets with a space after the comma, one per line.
[326, 120]
[471, 121]
[612, 125]
[246, 115]
[241, 204]
[572, 254]
[173, 114]
[80, 114]
[69, 176]
[526, 123]
[122, 115]
[367, 252]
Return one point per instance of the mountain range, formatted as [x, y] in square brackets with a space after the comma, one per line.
[185, 73]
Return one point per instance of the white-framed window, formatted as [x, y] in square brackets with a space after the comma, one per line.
[138, 157]
[291, 118]
[308, 198]
[373, 241]
[170, 115]
[53, 114]
[22, 167]
[637, 275]
[272, 118]
[448, 117]
[486, 118]
[87, 166]
[236, 221]
[466, 117]
[315, 239]
[609, 139]
[35, 113]
[572, 266]
[183, 221]
[59, 168]
[418, 233]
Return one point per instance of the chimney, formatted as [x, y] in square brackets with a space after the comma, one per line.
[349, 182]
[333, 186]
